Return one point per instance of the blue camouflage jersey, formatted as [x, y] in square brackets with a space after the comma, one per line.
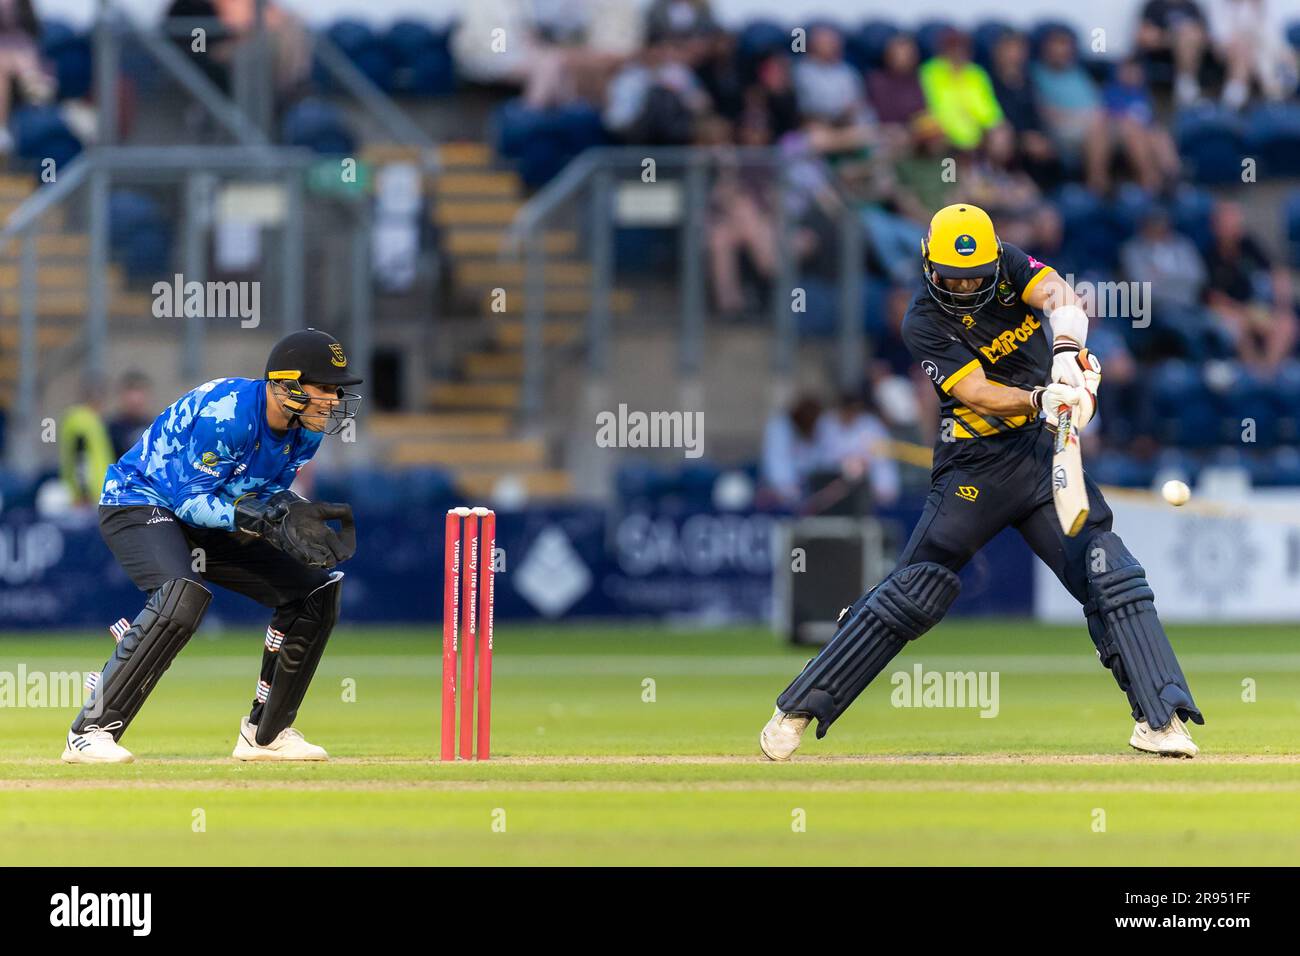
[208, 448]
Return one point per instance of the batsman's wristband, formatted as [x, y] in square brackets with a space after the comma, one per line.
[1036, 397]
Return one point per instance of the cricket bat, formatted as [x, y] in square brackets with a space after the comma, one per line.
[1068, 491]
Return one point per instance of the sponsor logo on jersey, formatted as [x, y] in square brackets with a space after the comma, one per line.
[209, 458]
[932, 370]
[969, 492]
[1008, 341]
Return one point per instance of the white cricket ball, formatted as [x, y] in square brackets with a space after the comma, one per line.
[1175, 492]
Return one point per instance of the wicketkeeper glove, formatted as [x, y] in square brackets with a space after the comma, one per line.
[298, 527]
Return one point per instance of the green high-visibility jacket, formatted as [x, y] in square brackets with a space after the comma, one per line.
[85, 452]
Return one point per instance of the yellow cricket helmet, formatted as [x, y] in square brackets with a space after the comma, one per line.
[961, 244]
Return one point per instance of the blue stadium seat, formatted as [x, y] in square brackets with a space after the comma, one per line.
[928, 34]
[139, 234]
[1286, 385]
[1043, 27]
[757, 39]
[1093, 228]
[421, 58]
[1185, 412]
[1130, 206]
[1180, 461]
[865, 46]
[1249, 398]
[318, 126]
[1279, 468]
[1212, 143]
[1291, 220]
[366, 51]
[1272, 135]
[1118, 468]
[1190, 214]
[39, 133]
[69, 53]
[542, 142]
[985, 38]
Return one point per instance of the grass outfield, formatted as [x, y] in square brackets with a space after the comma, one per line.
[589, 772]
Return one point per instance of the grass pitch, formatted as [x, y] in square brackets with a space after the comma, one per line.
[639, 746]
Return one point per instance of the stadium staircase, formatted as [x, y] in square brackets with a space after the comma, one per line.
[61, 301]
[471, 425]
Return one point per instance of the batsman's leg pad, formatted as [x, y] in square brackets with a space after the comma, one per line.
[1130, 639]
[300, 651]
[170, 617]
[871, 633]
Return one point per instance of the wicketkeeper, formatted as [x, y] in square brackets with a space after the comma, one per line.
[1002, 337]
[203, 498]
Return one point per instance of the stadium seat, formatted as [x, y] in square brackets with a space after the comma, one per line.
[1249, 399]
[1286, 385]
[865, 46]
[1211, 142]
[985, 37]
[1093, 228]
[928, 34]
[542, 142]
[1185, 411]
[1118, 468]
[366, 51]
[139, 234]
[39, 133]
[70, 54]
[1130, 206]
[1272, 135]
[756, 40]
[1042, 28]
[1190, 214]
[1280, 467]
[318, 126]
[421, 58]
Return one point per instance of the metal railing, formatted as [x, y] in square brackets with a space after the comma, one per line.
[194, 170]
[592, 179]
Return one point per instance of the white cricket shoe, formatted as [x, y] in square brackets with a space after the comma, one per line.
[1170, 741]
[780, 737]
[289, 744]
[95, 744]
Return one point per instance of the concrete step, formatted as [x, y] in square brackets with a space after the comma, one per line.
[494, 365]
[46, 337]
[539, 484]
[462, 185]
[18, 187]
[72, 303]
[559, 301]
[487, 242]
[432, 425]
[502, 273]
[477, 453]
[510, 332]
[477, 395]
[53, 219]
[51, 276]
[475, 212]
[459, 154]
[383, 153]
[50, 244]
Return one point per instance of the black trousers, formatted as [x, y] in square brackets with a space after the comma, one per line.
[989, 484]
[153, 546]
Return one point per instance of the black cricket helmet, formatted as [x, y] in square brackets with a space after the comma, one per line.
[312, 357]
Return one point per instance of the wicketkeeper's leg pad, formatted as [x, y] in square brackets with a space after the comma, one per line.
[871, 633]
[305, 635]
[1130, 639]
[170, 617]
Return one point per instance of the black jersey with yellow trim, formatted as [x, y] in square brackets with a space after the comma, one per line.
[1007, 338]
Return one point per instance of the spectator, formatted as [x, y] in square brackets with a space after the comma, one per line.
[1250, 293]
[831, 96]
[1173, 33]
[894, 90]
[554, 59]
[1034, 150]
[719, 72]
[679, 20]
[655, 100]
[1252, 42]
[771, 109]
[958, 93]
[1072, 107]
[135, 412]
[20, 62]
[851, 441]
[1170, 267]
[85, 450]
[1148, 146]
[790, 451]
[288, 34]
[214, 59]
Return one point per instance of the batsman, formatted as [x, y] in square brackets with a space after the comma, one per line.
[1002, 338]
[204, 498]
